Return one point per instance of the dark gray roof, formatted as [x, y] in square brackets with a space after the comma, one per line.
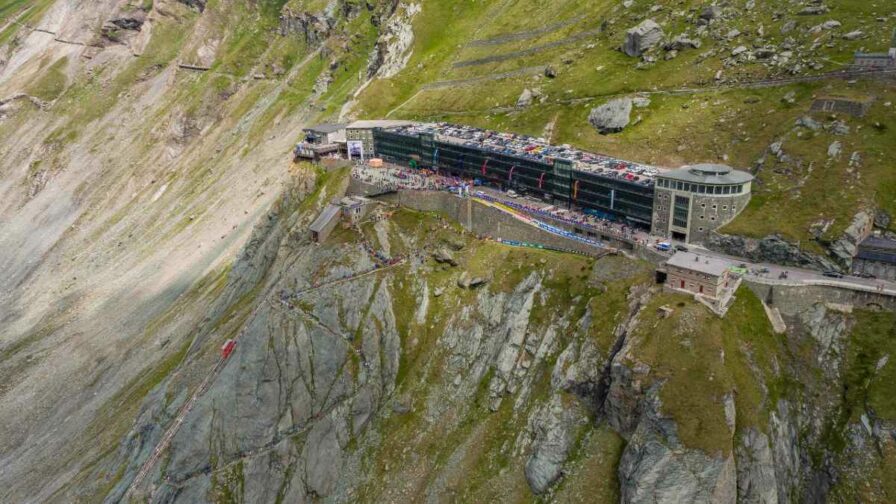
[878, 242]
[875, 248]
[712, 174]
[326, 128]
[330, 212]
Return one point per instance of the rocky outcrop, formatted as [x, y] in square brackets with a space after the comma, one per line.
[847, 246]
[756, 481]
[771, 249]
[641, 38]
[395, 46]
[657, 468]
[198, 5]
[313, 28]
[611, 117]
[553, 425]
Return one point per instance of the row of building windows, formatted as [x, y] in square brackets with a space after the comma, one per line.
[699, 188]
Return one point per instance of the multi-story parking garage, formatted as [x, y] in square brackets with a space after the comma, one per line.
[563, 181]
[603, 185]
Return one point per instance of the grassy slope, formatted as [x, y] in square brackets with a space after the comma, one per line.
[726, 356]
[469, 449]
[674, 130]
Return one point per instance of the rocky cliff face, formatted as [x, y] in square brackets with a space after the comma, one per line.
[148, 215]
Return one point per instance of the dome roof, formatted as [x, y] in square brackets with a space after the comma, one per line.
[707, 169]
[709, 173]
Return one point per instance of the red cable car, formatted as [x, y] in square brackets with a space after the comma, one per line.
[227, 348]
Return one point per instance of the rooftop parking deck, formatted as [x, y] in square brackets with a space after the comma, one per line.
[537, 149]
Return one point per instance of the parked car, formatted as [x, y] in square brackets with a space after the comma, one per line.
[833, 274]
[681, 248]
[664, 246]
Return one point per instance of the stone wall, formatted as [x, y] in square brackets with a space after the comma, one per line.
[359, 188]
[791, 300]
[882, 270]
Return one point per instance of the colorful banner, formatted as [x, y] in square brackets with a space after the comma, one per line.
[355, 149]
[484, 165]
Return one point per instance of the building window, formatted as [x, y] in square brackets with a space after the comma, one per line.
[681, 211]
[724, 207]
[702, 205]
[714, 207]
[701, 229]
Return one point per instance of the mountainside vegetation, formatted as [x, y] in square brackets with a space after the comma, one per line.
[150, 211]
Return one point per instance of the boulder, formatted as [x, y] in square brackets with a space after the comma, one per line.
[846, 247]
[813, 10]
[808, 123]
[443, 256]
[525, 98]
[611, 117]
[683, 42]
[834, 149]
[854, 35]
[838, 128]
[711, 12]
[641, 101]
[642, 37]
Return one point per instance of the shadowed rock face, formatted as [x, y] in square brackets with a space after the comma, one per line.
[611, 117]
[642, 37]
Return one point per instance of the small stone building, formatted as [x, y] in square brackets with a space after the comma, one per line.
[692, 202]
[876, 256]
[696, 274]
[325, 223]
[877, 60]
[355, 208]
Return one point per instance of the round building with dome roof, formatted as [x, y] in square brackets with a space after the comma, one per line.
[692, 202]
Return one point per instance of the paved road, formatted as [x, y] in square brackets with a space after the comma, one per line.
[799, 276]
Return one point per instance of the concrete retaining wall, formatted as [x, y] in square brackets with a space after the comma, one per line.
[791, 300]
[491, 222]
[484, 220]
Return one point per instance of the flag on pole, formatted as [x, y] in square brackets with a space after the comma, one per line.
[575, 191]
[484, 164]
[510, 175]
[541, 180]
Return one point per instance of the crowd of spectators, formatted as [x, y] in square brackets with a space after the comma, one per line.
[588, 223]
[393, 178]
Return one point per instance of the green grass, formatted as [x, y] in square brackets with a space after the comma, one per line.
[674, 130]
[700, 358]
[51, 82]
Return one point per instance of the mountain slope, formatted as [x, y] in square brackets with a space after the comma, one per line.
[148, 212]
